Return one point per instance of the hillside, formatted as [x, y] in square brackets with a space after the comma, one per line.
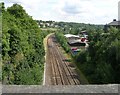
[68, 27]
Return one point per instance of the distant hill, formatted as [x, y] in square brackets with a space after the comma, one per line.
[67, 27]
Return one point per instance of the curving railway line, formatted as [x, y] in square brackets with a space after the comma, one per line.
[57, 70]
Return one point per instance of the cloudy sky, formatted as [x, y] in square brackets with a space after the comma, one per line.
[82, 11]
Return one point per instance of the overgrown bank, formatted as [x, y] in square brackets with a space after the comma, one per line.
[100, 63]
[22, 47]
[69, 57]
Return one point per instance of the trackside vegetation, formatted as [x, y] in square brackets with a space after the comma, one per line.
[63, 41]
[100, 62]
[23, 50]
[22, 47]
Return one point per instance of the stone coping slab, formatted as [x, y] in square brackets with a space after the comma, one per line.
[110, 89]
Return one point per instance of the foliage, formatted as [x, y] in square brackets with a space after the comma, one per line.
[75, 28]
[102, 64]
[101, 61]
[1, 6]
[63, 41]
[22, 47]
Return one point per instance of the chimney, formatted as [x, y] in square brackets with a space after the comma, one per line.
[119, 11]
[114, 20]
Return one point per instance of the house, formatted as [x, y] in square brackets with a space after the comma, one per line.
[84, 34]
[114, 23]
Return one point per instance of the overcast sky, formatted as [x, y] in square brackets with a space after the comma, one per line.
[82, 11]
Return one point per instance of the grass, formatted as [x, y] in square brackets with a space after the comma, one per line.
[52, 29]
[83, 79]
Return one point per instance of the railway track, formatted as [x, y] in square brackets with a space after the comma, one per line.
[59, 71]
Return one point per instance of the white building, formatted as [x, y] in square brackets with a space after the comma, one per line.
[72, 38]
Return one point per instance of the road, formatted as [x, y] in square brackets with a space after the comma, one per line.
[57, 70]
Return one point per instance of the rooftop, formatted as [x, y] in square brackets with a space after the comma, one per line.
[71, 35]
[114, 22]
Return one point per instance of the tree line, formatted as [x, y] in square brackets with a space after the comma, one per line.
[22, 47]
[101, 61]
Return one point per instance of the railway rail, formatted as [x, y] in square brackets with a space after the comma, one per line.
[59, 71]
